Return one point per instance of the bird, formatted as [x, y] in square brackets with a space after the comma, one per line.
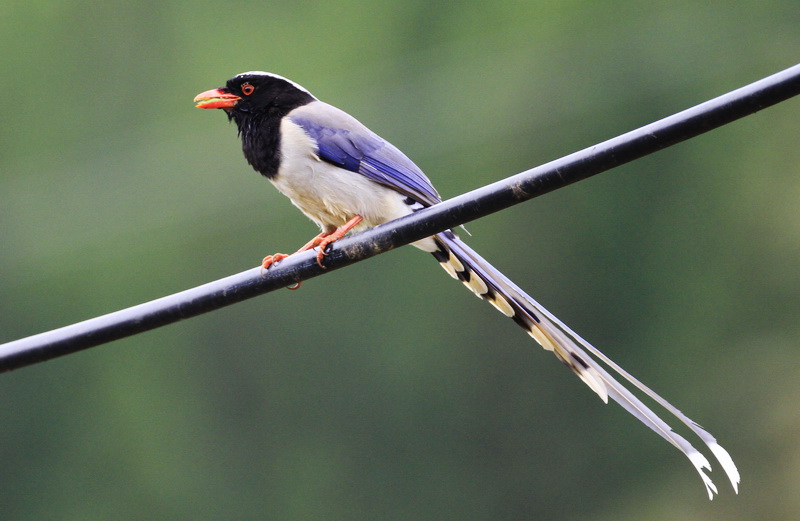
[346, 178]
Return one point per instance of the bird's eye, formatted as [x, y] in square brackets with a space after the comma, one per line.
[247, 89]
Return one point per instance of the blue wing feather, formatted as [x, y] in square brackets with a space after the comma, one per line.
[366, 153]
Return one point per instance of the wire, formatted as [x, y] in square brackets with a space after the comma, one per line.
[448, 214]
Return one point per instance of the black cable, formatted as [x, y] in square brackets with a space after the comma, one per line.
[464, 208]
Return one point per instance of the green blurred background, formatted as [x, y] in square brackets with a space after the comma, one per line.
[386, 391]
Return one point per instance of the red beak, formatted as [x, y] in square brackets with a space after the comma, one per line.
[215, 99]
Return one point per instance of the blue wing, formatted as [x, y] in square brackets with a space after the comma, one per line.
[352, 146]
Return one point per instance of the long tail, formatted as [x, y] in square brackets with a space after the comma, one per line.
[462, 263]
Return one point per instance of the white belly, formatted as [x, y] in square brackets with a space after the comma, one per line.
[330, 196]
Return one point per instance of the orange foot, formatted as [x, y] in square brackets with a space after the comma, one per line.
[321, 241]
[269, 260]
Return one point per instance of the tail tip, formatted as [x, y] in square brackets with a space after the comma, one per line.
[727, 465]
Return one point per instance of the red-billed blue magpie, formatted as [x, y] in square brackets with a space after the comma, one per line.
[345, 177]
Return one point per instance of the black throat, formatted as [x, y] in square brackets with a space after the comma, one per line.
[260, 131]
[261, 140]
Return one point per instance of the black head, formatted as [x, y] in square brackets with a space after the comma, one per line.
[255, 93]
[257, 101]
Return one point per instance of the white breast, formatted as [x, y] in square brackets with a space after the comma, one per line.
[330, 196]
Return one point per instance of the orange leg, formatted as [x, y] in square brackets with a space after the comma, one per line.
[325, 240]
[322, 241]
[269, 260]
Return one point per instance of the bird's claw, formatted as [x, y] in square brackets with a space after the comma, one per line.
[269, 260]
[321, 253]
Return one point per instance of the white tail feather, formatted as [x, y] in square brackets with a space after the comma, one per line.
[574, 351]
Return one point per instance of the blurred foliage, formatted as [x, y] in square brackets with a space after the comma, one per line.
[385, 391]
